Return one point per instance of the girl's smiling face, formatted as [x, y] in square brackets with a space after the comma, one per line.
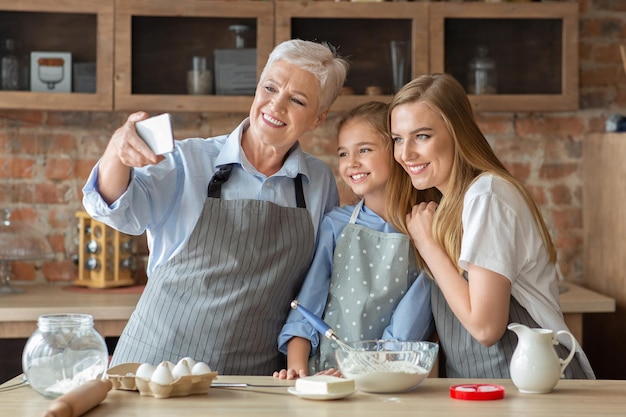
[364, 161]
[423, 145]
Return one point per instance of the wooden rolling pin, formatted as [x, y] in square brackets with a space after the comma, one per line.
[80, 400]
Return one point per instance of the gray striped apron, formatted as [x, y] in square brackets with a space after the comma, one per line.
[464, 357]
[369, 276]
[224, 298]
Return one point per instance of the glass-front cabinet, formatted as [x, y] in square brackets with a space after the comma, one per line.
[509, 56]
[386, 43]
[190, 55]
[56, 55]
[206, 55]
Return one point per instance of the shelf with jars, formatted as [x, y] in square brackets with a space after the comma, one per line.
[205, 55]
[162, 45]
[509, 56]
[385, 42]
[33, 35]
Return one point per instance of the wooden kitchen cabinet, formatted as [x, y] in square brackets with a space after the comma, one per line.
[604, 260]
[82, 27]
[156, 39]
[143, 48]
[362, 33]
[534, 46]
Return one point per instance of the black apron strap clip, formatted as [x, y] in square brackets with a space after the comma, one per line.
[220, 177]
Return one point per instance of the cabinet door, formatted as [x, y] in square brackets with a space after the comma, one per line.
[83, 28]
[534, 46]
[361, 32]
[155, 41]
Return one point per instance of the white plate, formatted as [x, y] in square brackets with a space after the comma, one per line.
[307, 396]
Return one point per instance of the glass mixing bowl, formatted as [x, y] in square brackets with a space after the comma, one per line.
[384, 366]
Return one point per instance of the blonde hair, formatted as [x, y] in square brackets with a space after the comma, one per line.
[473, 156]
[320, 59]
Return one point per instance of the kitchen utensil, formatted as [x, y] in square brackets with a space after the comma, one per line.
[243, 385]
[401, 365]
[80, 400]
[322, 327]
[535, 366]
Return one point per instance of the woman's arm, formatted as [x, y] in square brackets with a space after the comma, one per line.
[124, 151]
[481, 303]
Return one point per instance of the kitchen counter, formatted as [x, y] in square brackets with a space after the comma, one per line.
[570, 398]
[111, 308]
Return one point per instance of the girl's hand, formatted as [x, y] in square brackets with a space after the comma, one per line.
[290, 374]
[419, 223]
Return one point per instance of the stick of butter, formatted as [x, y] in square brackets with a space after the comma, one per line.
[324, 384]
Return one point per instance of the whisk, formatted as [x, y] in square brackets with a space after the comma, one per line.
[322, 327]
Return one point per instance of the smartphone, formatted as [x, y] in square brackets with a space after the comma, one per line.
[157, 132]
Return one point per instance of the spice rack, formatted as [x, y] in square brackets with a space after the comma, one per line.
[105, 256]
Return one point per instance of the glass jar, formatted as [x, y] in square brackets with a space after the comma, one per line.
[64, 352]
[482, 73]
[199, 77]
[10, 66]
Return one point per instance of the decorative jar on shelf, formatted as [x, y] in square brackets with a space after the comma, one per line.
[482, 73]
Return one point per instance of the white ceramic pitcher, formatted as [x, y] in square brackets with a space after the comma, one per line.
[535, 366]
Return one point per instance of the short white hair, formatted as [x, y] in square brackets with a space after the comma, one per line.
[320, 59]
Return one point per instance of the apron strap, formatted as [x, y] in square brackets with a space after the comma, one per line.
[300, 201]
[220, 177]
[356, 211]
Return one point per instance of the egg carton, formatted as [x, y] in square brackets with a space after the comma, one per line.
[123, 377]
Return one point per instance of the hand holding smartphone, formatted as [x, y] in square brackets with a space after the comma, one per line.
[157, 132]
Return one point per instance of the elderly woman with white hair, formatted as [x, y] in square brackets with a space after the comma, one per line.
[231, 221]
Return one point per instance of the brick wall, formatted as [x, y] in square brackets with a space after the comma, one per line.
[45, 156]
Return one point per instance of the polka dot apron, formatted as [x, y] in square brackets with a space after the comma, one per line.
[369, 276]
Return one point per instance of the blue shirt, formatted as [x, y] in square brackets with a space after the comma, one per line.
[166, 200]
[412, 319]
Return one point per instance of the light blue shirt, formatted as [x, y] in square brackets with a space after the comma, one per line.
[412, 319]
[166, 200]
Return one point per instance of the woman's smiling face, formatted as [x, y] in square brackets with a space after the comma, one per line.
[285, 106]
[422, 145]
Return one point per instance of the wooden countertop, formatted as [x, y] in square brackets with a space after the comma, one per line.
[19, 312]
[112, 308]
[570, 398]
[577, 299]
[41, 299]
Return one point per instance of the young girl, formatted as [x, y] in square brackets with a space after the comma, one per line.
[483, 240]
[362, 266]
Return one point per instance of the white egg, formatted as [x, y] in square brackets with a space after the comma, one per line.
[162, 374]
[190, 361]
[200, 368]
[181, 369]
[170, 365]
[145, 371]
